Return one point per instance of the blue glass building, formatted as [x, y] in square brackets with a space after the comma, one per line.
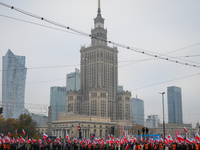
[13, 85]
[57, 100]
[174, 101]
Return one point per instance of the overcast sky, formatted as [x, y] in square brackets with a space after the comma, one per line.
[153, 25]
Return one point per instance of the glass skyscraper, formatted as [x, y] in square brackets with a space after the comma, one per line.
[13, 85]
[137, 110]
[73, 80]
[57, 100]
[174, 100]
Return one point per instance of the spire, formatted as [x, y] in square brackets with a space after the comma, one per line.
[99, 9]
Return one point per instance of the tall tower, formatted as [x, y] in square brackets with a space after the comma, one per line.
[174, 100]
[57, 101]
[99, 71]
[13, 85]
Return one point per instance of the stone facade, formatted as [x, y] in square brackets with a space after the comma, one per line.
[98, 95]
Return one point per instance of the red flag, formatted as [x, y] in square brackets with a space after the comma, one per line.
[16, 132]
[92, 136]
[45, 136]
[9, 134]
[40, 141]
[23, 132]
[188, 141]
[180, 138]
[58, 139]
[49, 140]
[67, 136]
[185, 129]
[1, 135]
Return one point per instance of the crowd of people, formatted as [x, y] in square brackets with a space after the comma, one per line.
[84, 145]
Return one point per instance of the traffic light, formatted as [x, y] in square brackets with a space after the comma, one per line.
[80, 134]
[1, 110]
[113, 130]
[147, 130]
[143, 130]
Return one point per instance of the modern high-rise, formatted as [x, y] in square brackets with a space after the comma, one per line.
[13, 85]
[152, 121]
[120, 88]
[57, 101]
[98, 95]
[137, 110]
[73, 80]
[174, 100]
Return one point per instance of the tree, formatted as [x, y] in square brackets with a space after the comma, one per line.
[25, 122]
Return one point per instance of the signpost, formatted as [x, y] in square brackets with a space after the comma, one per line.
[79, 128]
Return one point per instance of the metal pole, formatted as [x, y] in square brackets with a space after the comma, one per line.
[163, 115]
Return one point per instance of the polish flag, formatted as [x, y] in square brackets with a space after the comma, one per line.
[58, 139]
[108, 136]
[55, 142]
[15, 132]
[49, 140]
[177, 133]
[180, 138]
[40, 141]
[92, 136]
[123, 133]
[23, 132]
[197, 137]
[45, 136]
[1, 135]
[67, 136]
[9, 134]
[188, 141]
[185, 129]
[29, 140]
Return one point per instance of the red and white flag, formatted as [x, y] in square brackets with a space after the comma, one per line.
[2, 135]
[188, 141]
[185, 129]
[45, 136]
[180, 138]
[23, 132]
[67, 136]
[49, 140]
[40, 141]
[9, 135]
[58, 139]
[15, 132]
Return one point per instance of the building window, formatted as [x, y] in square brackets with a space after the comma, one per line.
[94, 126]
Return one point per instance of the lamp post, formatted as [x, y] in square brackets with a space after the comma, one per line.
[163, 114]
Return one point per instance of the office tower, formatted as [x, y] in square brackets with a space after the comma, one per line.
[98, 95]
[73, 80]
[137, 110]
[152, 121]
[120, 88]
[13, 85]
[57, 100]
[174, 101]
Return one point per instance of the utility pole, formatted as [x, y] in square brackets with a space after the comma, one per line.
[163, 115]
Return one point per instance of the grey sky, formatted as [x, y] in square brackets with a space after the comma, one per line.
[153, 25]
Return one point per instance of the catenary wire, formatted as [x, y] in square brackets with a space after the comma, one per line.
[80, 32]
[139, 60]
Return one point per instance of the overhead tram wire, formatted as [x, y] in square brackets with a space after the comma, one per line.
[41, 25]
[87, 36]
[80, 32]
[124, 61]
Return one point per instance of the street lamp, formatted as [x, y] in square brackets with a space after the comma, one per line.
[163, 114]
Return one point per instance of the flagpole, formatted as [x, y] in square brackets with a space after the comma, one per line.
[163, 115]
